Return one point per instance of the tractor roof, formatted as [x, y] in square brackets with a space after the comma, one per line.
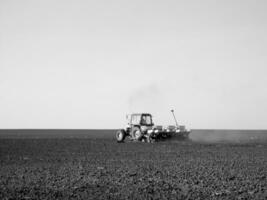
[140, 114]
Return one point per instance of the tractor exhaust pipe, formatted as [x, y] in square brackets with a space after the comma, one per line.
[174, 118]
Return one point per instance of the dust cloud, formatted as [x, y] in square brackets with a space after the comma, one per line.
[228, 136]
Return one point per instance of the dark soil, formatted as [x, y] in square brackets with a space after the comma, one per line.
[103, 169]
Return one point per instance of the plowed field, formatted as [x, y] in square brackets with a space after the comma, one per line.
[88, 168]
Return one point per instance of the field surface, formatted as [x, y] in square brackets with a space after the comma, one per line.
[76, 165]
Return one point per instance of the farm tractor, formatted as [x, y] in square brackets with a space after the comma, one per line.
[140, 127]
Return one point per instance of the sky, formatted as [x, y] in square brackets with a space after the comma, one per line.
[86, 64]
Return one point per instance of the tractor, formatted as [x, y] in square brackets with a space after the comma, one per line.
[140, 127]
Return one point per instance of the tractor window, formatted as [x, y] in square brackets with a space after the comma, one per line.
[136, 119]
[146, 120]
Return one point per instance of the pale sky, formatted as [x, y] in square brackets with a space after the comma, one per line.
[86, 64]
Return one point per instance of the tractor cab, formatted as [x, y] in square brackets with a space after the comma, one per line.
[140, 119]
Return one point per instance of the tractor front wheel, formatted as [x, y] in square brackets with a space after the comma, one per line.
[120, 135]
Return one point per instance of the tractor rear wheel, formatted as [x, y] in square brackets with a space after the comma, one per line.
[136, 133]
[120, 135]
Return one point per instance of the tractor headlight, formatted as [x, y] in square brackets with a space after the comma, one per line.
[156, 131]
[177, 131]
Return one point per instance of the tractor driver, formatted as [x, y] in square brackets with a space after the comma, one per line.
[143, 120]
